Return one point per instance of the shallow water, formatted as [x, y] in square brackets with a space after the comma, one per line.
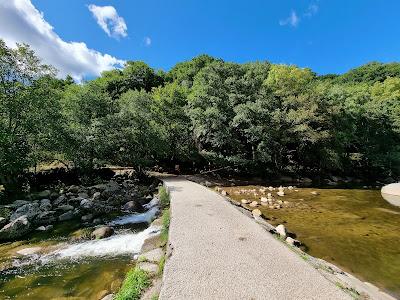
[353, 228]
[65, 267]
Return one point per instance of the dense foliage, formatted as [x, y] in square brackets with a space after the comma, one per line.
[259, 118]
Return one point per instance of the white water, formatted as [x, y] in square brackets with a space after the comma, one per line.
[130, 243]
[145, 217]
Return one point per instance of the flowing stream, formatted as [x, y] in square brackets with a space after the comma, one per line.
[54, 266]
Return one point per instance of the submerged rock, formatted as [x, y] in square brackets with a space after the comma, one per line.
[102, 232]
[15, 229]
[281, 230]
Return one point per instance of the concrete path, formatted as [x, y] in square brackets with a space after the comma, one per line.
[219, 253]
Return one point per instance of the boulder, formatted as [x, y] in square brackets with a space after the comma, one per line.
[253, 204]
[45, 228]
[130, 206]
[314, 193]
[73, 189]
[54, 195]
[108, 297]
[83, 195]
[43, 194]
[87, 218]
[15, 229]
[245, 201]
[148, 267]
[102, 232]
[292, 241]
[19, 203]
[86, 204]
[96, 196]
[30, 210]
[97, 221]
[60, 200]
[154, 255]
[45, 204]
[281, 230]
[69, 215]
[256, 213]
[65, 207]
[46, 217]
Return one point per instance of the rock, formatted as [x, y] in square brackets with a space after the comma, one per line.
[73, 189]
[253, 204]
[281, 230]
[69, 215]
[65, 207]
[60, 200]
[256, 213]
[102, 232]
[208, 184]
[43, 194]
[3, 221]
[130, 206]
[102, 294]
[97, 221]
[245, 201]
[87, 218]
[305, 180]
[264, 199]
[292, 241]
[30, 210]
[264, 204]
[46, 217]
[29, 251]
[19, 203]
[45, 228]
[54, 195]
[86, 204]
[314, 193]
[45, 204]
[96, 196]
[83, 195]
[148, 267]
[280, 193]
[108, 297]
[152, 242]
[224, 193]
[290, 187]
[153, 255]
[154, 202]
[15, 229]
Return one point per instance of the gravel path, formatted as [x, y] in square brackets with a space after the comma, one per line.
[219, 253]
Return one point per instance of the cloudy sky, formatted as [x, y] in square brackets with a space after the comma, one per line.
[84, 37]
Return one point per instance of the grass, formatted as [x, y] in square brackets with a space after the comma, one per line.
[165, 226]
[161, 265]
[136, 281]
[164, 197]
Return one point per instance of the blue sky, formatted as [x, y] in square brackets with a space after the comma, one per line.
[329, 36]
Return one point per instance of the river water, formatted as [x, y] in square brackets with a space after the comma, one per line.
[55, 265]
[355, 229]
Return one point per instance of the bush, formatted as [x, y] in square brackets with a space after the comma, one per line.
[136, 281]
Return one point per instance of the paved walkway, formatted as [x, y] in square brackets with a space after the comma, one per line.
[219, 253]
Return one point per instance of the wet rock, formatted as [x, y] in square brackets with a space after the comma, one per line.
[86, 203]
[152, 242]
[30, 210]
[292, 241]
[281, 230]
[245, 201]
[96, 196]
[87, 218]
[45, 228]
[154, 202]
[102, 232]
[65, 207]
[69, 215]
[45, 204]
[148, 267]
[15, 229]
[153, 255]
[315, 193]
[46, 217]
[256, 213]
[108, 297]
[130, 206]
[224, 193]
[253, 204]
[54, 195]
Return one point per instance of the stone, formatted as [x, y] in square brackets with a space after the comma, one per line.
[148, 267]
[253, 204]
[86, 204]
[43, 194]
[108, 297]
[54, 195]
[29, 251]
[224, 193]
[45, 204]
[30, 210]
[69, 215]
[15, 229]
[130, 206]
[314, 193]
[45, 228]
[19, 203]
[60, 200]
[65, 207]
[154, 202]
[87, 218]
[97, 221]
[292, 241]
[96, 196]
[46, 217]
[73, 189]
[256, 213]
[264, 199]
[102, 232]
[152, 242]
[281, 230]
[245, 201]
[264, 204]
[102, 294]
[154, 255]
[3, 221]
[83, 195]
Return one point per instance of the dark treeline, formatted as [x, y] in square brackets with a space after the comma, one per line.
[260, 118]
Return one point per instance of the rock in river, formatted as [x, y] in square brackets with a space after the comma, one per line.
[281, 230]
[16, 228]
[102, 232]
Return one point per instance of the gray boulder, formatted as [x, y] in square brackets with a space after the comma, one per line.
[60, 200]
[130, 206]
[46, 217]
[3, 221]
[43, 194]
[87, 218]
[86, 204]
[69, 215]
[19, 203]
[45, 204]
[30, 210]
[73, 189]
[96, 196]
[83, 195]
[65, 207]
[102, 232]
[15, 229]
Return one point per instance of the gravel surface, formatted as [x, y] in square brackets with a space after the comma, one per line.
[219, 253]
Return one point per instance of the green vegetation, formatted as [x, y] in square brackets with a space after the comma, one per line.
[164, 197]
[166, 219]
[257, 118]
[135, 283]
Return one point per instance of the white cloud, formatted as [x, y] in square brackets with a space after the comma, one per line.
[21, 22]
[109, 20]
[147, 41]
[293, 20]
[311, 10]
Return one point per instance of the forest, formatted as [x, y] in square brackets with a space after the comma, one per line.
[258, 118]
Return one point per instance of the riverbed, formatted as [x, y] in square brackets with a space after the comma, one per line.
[356, 229]
[64, 264]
